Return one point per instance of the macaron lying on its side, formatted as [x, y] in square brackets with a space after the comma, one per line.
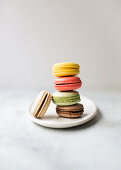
[41, 104]
[67, 83]
[66, 98]
[74, 111]
[65, 69]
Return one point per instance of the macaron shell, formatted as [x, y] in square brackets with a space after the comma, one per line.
[65, 72]
[65, 94]
[37, 102]
[65, 80]
[76, 107]
[66, 64]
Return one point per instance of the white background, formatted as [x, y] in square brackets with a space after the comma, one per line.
[35, 34]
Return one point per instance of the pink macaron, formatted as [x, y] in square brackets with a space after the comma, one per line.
[67, 83]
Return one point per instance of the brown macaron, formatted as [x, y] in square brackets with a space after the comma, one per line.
[73, 111]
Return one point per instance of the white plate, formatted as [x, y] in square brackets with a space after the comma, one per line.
[52, 120]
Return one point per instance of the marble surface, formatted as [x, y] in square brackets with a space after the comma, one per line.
[27, 146]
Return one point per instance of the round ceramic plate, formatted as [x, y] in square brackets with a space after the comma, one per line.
[52, 120]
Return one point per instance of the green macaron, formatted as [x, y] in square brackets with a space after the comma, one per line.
[65, 98]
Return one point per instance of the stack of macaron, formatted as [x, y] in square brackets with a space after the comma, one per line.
[66, 98]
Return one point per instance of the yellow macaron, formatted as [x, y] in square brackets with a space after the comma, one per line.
[65, 69]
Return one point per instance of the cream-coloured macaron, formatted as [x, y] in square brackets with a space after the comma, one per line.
[41, 104]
